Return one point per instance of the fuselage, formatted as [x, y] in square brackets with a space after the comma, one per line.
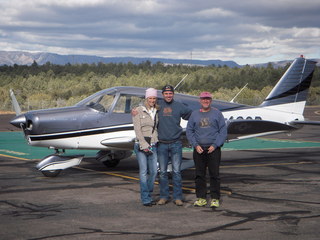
[104, 121]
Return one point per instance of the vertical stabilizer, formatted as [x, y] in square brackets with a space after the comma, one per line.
[294, 85]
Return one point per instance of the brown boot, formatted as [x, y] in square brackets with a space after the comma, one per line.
[162, 201]
[178, 202]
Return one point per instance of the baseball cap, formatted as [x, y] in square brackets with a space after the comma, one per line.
[205, 95]
[167, 88]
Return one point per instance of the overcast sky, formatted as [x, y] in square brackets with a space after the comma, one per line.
[245, 31]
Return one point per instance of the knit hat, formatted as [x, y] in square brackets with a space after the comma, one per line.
[167, 88]
[205, 95]
[151, 92]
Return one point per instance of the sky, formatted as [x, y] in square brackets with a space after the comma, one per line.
[244, 31]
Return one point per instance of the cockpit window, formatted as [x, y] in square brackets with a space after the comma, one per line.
[126, 102]
[101, 101]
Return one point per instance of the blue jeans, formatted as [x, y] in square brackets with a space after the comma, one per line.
[174, 152]
[147, 172]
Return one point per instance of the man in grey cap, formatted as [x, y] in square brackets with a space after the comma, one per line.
[206, 132]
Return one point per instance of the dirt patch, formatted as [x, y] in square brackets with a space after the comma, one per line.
[6, 112]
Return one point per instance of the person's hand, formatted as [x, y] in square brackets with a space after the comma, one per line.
[134, 112]
[211, 149]
[199, 149]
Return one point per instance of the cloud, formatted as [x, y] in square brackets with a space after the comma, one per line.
[246, 31]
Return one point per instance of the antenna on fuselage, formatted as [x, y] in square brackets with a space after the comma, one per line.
[176, 87]
[232, 100]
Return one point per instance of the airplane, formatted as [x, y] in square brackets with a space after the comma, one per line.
[103, 121]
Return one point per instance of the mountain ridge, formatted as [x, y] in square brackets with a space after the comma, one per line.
[27, 58]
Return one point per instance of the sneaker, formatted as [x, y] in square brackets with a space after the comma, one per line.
[178, 202]
[201, 202]
[215, 203]
[162, 201]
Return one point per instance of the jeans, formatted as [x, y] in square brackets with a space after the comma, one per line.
[174, 152]
[212, 161]
[147, 172]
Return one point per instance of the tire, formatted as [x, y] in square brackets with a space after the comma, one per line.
[51, 173]
[111, 163]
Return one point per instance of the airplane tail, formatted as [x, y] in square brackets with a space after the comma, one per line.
[290, 93]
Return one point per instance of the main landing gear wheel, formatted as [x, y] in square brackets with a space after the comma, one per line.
[51, 173]
[111, 163]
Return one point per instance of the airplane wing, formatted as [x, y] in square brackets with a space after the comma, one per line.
[240, 129]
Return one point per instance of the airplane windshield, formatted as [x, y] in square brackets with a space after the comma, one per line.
[101, 101]
[104, 102]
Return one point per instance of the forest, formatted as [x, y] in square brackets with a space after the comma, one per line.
[49, 85]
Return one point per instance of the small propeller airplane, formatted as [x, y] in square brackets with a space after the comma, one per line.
[103, 120]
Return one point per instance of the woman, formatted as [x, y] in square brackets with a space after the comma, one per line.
[145, 126]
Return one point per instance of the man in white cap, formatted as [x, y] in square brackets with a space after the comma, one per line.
[206, 132]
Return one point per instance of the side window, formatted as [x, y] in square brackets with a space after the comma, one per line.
[126, 102]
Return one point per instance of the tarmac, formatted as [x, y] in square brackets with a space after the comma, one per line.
[269, 191]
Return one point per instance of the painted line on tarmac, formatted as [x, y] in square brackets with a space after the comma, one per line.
[13, 152]
[9, 156]
[184, 188]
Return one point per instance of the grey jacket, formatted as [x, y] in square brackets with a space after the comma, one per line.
[143, 125]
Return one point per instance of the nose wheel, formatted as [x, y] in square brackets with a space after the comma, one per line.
[51, 173]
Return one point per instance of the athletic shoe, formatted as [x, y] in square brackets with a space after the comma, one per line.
[201, 202]
[215, 203]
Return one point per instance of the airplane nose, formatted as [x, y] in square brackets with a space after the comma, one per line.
[18, 120]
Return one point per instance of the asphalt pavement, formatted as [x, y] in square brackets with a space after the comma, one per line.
[267, 194]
